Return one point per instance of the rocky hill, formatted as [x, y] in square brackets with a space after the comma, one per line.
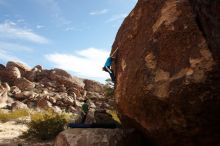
[38, 88]
[167, 70]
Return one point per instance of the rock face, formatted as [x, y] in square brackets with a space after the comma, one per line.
[22, 68]
[89, 137]
[55, 89]
[3, 96]
[93, 86]
[100, 137]
[167, 70]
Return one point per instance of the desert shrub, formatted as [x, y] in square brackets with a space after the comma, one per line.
[46, 125]
[114, 115]
[109, 88]
[13, 115]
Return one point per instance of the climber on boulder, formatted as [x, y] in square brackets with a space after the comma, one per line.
[107, 66]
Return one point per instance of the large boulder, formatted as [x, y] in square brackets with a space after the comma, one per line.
[168, 73]
[24, 95]
[65, 78]
[61, 72]
[31, 75]
[22, 68]
[14, 72]
[93, 86]
[68, 82]
[89, 137]
[2, 67]
[100, 137]
[10, 74]
[24, 84]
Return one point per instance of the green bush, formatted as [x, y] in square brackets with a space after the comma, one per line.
[109, 88]
[13, 115]
[46, 125]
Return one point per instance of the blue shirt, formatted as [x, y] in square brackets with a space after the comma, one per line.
[108, 62]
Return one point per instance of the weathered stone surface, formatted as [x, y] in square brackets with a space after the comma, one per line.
[24, 84]
[93, 86]
[89, 137]
[22, 68]
[15, 90]
[6, 86]
[61, 72]
[90, 116]
[94, 95]
[3, 96]
[14, 72]
[38, 67]
[9, 74]
[56, 109]
[101, 116]
[66, 81]
[167, 70]
[31, 104]
[2, 67]
[208, 18]
[44, 104]
[72, 109]
[68, 100]
[52, 100]
[78, 104]
[31, 75]
[20, 96]
[25, 95]
[18, 105]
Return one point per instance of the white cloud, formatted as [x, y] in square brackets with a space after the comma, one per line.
[72, 29]
[55, 11]
[116, 17]
[9, 29]
[86, 63]
[101, 12]
[40, 26]
[14, 47]
[4, 56]
[21, 21]
[7, 48]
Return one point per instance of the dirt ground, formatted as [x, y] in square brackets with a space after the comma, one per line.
[10, 132]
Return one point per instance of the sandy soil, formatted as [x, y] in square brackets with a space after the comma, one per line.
[10, 132]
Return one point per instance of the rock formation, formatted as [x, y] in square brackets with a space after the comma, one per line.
[89, 137]
[100, 137]
[22, 87]
[167, 70]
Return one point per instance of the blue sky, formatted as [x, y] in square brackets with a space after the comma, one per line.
[75, 35]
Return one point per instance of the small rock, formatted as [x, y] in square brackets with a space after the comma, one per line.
[18, 105]
[6, 86]
[72, 109]
[44, 104]
[15, 90]
[56, 109]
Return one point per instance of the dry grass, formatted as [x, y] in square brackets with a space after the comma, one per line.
[114, 115]
[46, 125]
[12, 115]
